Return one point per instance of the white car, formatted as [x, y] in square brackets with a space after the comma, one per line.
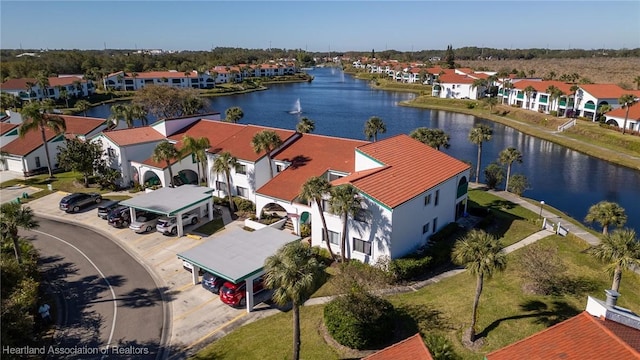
[169, 225]
[144, 223]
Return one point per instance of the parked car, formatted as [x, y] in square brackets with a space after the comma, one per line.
[120, 216]
[234, 294]
[105, 208]
[144, 223]
[74, 202]
[212, 282]
[169, 225]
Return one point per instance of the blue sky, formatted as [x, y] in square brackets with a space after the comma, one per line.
[319, 25]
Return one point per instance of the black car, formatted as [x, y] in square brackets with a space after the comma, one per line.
[212, 282]
[105, 208]
[119, 216]
[76, 201]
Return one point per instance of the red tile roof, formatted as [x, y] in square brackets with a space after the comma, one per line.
[420, 167]
[581, 337]
[606, 91]
[310, 155]
[448, 78]
[6, 127]
[634, 112]
[17, 84]
[64, 81]
[215, 131]
[542, 86]
[132, 136]
[76, 125]
[239, 143]
[412, 348]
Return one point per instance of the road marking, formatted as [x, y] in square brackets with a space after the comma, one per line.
[244, 313]
[113, 293]
[154, 249]
[184, 287]
[194, 309]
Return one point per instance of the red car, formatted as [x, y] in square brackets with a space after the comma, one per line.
[234, 294]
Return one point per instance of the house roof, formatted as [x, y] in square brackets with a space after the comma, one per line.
[607, 91]
[580, 337]
[76, 125]
[21, 84]
[139, 135]
[310, 155]
[216, 131]
[421, 167]
[542, 86]
[64, 81]
[449, 78]
[634, 112]
[412, 348]
[6, 127]
[239, 143]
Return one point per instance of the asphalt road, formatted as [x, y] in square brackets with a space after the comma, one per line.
[108, 306]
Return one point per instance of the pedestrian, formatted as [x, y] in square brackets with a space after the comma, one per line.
[44, 312]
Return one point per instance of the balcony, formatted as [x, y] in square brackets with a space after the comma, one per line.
[590, 106]
[520, 96]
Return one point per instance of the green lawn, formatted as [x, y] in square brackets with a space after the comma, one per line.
[506, 314]
[66, 181]
[210, 227]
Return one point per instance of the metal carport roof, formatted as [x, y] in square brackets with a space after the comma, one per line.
[238, 254]
[170, 201]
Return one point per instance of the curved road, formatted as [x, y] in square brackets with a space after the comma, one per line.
[108, 305]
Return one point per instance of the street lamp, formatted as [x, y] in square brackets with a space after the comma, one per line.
[541, 205]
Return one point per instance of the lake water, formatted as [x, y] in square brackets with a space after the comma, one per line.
[340, 105]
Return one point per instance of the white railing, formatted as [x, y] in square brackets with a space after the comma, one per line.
[567, 125]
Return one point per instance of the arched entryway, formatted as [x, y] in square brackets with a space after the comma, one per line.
[461, 205]
[135, 176]
[185, 177]
[151, 179]
[305, 224]
[612, 123]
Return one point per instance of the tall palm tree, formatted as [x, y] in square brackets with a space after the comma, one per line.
[432, 137]
[64, 95]
[37, 116]
[482, 255]
[478, 84]
[506, 88]
[574, 91]
[305, 125]
[197, 147]
[83, 105]
[344, 201]
[267, 141]
[626, 101]
[314, 189]
[42, 80]
[14, 216]
[29, 87]
[293, 273]
[529, 91]
[223, 164]
[373, 126]
[479, 134]
[606, 213]
[507, 157]
[127, 113]
[166, 151]
[233, 114]
[621, 250]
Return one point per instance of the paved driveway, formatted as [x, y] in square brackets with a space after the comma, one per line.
[196, 315]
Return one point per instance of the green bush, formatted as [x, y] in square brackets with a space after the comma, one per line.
[440, 347]
[445, 233]
[407, 268]
[471, 105]
[244, 205]
[553, 113]
[360, 320]
[305, 230]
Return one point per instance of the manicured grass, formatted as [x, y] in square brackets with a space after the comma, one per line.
[506, 314]
[66, 181]
[210, 227]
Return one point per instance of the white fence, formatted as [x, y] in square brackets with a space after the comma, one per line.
[555, 227]
[567, 125]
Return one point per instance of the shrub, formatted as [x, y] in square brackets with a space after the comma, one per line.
[407, 268]
[360, 320]
[305, 230]
[471, 105]
[440, 347]
[541, 269]
[518, 183]
[553, 113]
[445, 233]
[244, 205]
[493, 174]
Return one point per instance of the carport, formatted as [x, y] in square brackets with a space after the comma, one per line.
[237, 255]
[173, 202]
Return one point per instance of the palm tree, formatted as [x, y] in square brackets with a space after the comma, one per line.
[64, 95]
[197, 147]
[293, 273]
[305, 125]
[479, 84]
[314, 189]
[482, 255]
[166, 151]
[432, 137]
[506, 88]
[621, 250]
[223, 165]
[529, 91]
[29, 86]
[37, 116]
[490, 101]
[479, 134]
[233, 114]
[626, 101]
[373, 126]
[43, 82]
[606, 213]
[127, 113]
[134, 75]
[507, 157]
[12, 217]
[83, 105]
[636, 81]
[344, 201]
[267, 141]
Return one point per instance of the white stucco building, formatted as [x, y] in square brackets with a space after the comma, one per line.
[27, 89]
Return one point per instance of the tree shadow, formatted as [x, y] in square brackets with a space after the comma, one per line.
[139, 297]
[298, 161]
[540, 312]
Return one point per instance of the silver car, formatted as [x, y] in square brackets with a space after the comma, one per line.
[144, 223]
[169, 225]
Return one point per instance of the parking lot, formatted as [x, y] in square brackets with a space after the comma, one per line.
[196, 315]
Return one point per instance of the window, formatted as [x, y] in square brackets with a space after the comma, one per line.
[362, 246]
[221, 185]
[334, 237]
[111, 152]
[427, 200]
[241, 169]
[435, 224]
[176, 81]
[242, 191]
[37, 161]
[425, 228]
[437, 199]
